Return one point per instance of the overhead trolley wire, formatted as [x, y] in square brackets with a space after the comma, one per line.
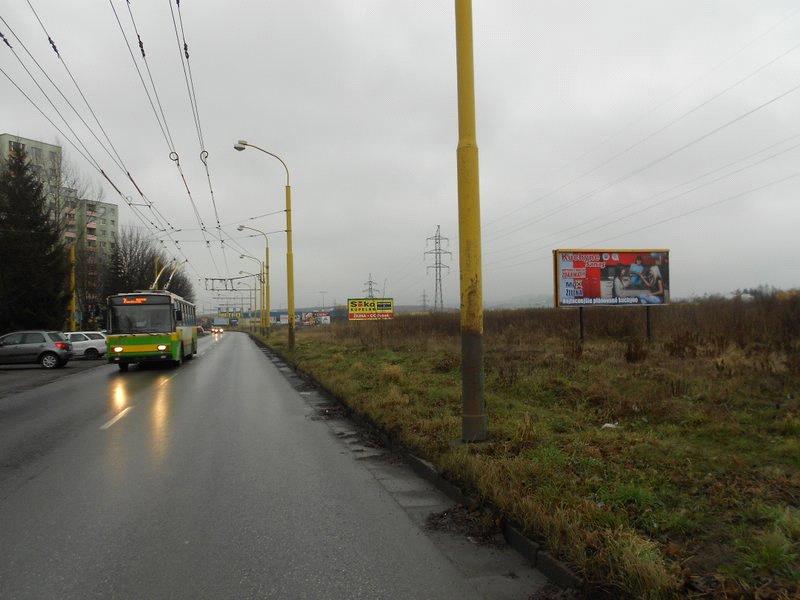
[117, 158]
[186, 66]
[91, 161]
[78, 143]
[167, 134]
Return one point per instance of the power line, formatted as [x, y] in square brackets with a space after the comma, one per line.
[669, 219]
[656, 195]
[786, 16]
[650, 164]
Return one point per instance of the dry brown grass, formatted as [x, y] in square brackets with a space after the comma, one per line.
[694, 492]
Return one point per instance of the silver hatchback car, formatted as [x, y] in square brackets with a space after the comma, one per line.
[48, 348]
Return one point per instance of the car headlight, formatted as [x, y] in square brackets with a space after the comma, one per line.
[161, 347]
[117, 348]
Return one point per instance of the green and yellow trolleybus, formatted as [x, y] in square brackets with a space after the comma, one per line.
[150, 326]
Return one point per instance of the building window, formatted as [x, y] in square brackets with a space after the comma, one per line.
[103, 221]
[37, 154]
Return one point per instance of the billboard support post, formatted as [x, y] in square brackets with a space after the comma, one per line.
[580, 321]
[649, 323]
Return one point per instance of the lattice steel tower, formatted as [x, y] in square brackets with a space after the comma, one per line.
[371, 287]
[438, 252]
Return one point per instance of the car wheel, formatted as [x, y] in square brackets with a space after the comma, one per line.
[123, 367]
[92, 354]
[49, 360]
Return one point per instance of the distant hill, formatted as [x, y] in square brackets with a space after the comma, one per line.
[525, 301]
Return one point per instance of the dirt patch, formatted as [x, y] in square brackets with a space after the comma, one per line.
[551, 592]
[478, 527]
[328, 412]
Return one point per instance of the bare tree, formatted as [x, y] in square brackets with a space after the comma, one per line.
[133, 264]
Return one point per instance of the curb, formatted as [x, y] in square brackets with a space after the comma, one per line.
[555, 570]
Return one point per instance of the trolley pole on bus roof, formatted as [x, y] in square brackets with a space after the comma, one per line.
[474, 424]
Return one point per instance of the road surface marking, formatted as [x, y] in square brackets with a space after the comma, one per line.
[116, 418]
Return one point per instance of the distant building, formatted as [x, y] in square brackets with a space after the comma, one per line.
[93, 224]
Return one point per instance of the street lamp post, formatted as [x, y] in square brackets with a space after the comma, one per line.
[259, 277]
[265, 292]
[252, 303]
[260, 270]
[241, 145]
[474, 421]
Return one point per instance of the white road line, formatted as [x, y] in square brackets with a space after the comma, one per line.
[116, 418]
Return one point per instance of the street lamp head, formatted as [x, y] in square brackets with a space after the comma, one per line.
[240, 145]
[240, 228]
[241, 256]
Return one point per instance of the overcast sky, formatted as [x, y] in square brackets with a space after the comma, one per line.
[358, 96]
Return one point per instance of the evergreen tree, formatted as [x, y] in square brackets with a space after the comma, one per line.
[34, 262]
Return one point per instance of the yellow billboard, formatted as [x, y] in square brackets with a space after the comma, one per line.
[370, 309]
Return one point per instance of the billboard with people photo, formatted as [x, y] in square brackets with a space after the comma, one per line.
[611, 277]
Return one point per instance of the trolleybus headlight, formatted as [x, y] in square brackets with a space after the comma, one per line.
[117, 348]
[161, 347]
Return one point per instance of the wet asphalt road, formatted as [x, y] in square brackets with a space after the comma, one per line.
[207, 481]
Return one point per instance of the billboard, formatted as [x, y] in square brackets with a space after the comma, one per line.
[370, 309]
[312, 319]
[611, 277]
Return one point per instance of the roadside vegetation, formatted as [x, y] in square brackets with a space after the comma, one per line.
[660, 469]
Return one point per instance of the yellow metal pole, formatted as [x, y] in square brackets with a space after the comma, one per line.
[474, 424]
[290, 264]
[73, 300]
[267, 321]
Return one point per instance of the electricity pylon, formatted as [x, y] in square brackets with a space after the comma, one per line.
[438, 252]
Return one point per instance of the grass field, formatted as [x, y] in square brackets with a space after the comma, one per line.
[661, 469]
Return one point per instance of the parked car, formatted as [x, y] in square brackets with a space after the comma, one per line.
[48, 348]
[89, 344]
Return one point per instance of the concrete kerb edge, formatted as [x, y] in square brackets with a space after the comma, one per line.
[555, 570]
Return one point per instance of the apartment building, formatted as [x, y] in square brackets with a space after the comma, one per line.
[95, 222]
